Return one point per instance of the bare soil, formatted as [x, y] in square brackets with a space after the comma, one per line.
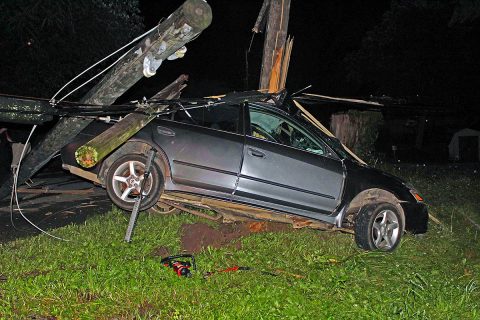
[198, 236]
[161, 251]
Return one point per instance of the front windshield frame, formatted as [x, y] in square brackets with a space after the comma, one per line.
[332, 142]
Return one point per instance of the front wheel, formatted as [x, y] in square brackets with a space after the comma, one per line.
[125, 178]
[379, 227]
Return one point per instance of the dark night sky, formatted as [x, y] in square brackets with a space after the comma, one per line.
[324, 31]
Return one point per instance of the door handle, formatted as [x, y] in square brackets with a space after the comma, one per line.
[256, 153]
[165, 131]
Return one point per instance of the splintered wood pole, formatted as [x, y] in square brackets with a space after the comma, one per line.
[96, 149]
[275, 35]
[184, 25]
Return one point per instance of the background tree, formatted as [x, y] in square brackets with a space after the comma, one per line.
[44, 43]
[425, 48]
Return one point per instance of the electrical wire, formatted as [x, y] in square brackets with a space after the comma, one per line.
[52, 101]
[72, 105]
[92, 78]
[14, 194]
[95, 64]
[79, 110]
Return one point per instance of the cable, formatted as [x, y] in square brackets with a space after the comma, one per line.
[72, 105]
[15, 194]
[95, 64]
[94, 77]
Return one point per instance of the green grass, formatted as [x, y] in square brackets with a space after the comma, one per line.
[98, 276]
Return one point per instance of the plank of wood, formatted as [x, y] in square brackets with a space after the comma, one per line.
[194, 212]
[373, 103]
[309, 117]
[55, 191]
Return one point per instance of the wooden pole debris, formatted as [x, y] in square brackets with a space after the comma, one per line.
[435, 219]
[309, 117]
[194, 212]
[285, 63]
[261, 21]
[167, 40]
[181, 27]
[24, 111]
[55, 191]
[89, 154]
[278, 76]
[275, 36]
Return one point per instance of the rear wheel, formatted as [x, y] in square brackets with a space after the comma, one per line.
[125, 178]
[379, 227]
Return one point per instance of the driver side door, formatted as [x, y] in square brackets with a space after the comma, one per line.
[287, 168]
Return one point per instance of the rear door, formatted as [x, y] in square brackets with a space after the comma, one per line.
[288, 168]
[204, 147]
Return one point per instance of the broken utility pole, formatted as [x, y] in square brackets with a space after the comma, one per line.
[181, 27]
[274, 14]
[96, 149]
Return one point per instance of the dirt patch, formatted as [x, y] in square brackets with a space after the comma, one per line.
[35, 273]
[197, 236]
[37, 317]
[86, 296]
[161, 251]
[145, 308]
[469, 253]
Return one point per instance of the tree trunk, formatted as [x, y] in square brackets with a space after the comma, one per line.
[96, 149]
[184, 25]
[357, 130]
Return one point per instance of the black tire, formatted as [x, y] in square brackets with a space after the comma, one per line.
[379, 227]
[122, 167]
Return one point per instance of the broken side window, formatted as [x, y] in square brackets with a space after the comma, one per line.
[219, 117]
[277, 129]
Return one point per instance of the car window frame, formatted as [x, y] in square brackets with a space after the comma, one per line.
[240, 123]
[330, 153]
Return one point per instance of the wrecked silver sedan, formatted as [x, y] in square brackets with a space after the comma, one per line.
[254, 159]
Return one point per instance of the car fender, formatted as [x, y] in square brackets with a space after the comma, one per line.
[135, 145]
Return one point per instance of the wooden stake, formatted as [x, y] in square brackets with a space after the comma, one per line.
[435, 219]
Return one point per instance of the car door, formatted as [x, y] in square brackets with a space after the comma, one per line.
[288, 168]
[204, 147]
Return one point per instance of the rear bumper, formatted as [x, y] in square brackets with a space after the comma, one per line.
[416, 216]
